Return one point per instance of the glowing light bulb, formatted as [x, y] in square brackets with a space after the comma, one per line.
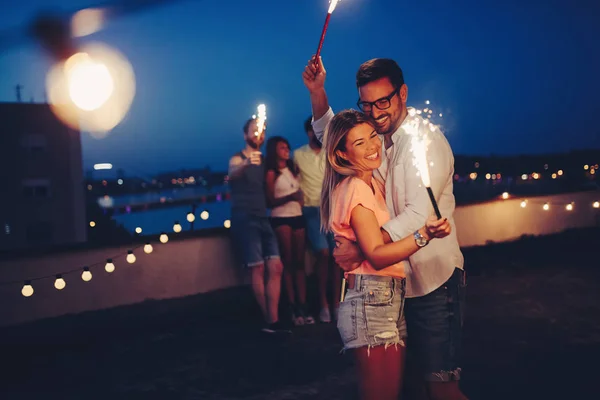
[524, 204]
[227, 224]
[586, 167]
[130, 257]
[86, 275]
[177, 227]
[163, 238]
[148, 248]
[569, 207]
[488, 176]
[90, 83]
[524, 177]
[59, 283]
[109, 267]
[505, 195]
[204, 215]
[138, 230]
[560, 172]
[441, 115]
[596, 204]
[546, 206]
[554, 176]
[92, 224]
[191, 217]
[427, 102]
[27, 290]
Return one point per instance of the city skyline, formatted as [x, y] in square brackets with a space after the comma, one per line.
[509, 78]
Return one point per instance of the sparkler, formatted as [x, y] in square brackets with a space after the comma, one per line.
[262, 117]
[418, 129]
[332, 5]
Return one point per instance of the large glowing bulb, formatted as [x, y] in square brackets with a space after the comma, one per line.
[191, 217]
[177, 227]
[130, 257]
[27, 290]
[148, 248]
[90, 83]
[109, 267]
[59, 283]
[86, 275]
[163, 238]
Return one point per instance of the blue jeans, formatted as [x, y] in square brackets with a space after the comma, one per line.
[317, 239]
[435, 327]
[253, 239]
[372, 312]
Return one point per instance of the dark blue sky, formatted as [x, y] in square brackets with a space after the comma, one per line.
[510, 76]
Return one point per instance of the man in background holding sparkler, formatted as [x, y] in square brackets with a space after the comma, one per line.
[253, 237]
[434, 304]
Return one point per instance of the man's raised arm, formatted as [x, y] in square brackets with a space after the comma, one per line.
[314, 80]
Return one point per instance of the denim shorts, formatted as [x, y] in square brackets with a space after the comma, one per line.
[435, 326]
[253, 239]
[372, 312]
[317, 239]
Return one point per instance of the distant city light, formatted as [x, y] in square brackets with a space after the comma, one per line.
[102, 166]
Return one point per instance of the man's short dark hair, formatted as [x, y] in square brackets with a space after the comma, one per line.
[378, 68]
[247, 125]
[308, 124]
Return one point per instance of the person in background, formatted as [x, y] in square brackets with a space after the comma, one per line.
[310, 160]
[285, 199]
[253, 238]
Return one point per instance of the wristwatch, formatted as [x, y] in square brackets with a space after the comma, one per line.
[420, 240]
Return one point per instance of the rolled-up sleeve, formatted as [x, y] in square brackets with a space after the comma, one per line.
[320, 124]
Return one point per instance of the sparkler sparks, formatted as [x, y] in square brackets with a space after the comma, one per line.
[261, 119]
[419, 129]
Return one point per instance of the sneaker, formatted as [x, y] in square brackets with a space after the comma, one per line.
[308, 319]
[324, 315]
[276, 327]
[296, 315]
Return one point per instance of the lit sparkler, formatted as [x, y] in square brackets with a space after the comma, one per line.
[332, 5]
[418, 129]
[261, 119]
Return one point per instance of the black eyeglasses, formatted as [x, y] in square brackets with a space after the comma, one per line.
[383, 103]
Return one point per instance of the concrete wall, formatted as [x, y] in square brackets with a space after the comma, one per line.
[201, 264]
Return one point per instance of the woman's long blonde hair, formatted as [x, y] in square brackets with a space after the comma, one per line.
[336, 168]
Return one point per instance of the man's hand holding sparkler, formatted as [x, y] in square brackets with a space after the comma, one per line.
[314, 79]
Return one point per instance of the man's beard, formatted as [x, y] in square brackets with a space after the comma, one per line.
[253, 144]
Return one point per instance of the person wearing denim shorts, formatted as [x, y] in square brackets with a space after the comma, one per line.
[371, 317]
[253, 239]
[435, 278]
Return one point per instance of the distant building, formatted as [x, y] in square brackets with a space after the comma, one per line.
[42, 202]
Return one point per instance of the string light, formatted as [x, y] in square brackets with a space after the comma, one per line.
[177, 227]
[138, 230]
[110, 266]
[524, 204]
[505, 195]
[130, 257]
[596, 204]
[546, 206]
[86, 275]
[227, 224]
[148, 248]
[59, 283]
[27, 290]
[92, 224]
[163, 238]
[204, 215]
[569, 207]
[191, 217]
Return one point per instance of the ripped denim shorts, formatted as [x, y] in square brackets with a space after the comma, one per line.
[372, 313]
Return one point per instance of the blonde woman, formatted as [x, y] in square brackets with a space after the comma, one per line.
[371, 320]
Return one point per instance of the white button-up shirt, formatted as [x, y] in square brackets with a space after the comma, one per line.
[409, 205]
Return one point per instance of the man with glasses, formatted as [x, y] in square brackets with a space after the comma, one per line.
[434, 306]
